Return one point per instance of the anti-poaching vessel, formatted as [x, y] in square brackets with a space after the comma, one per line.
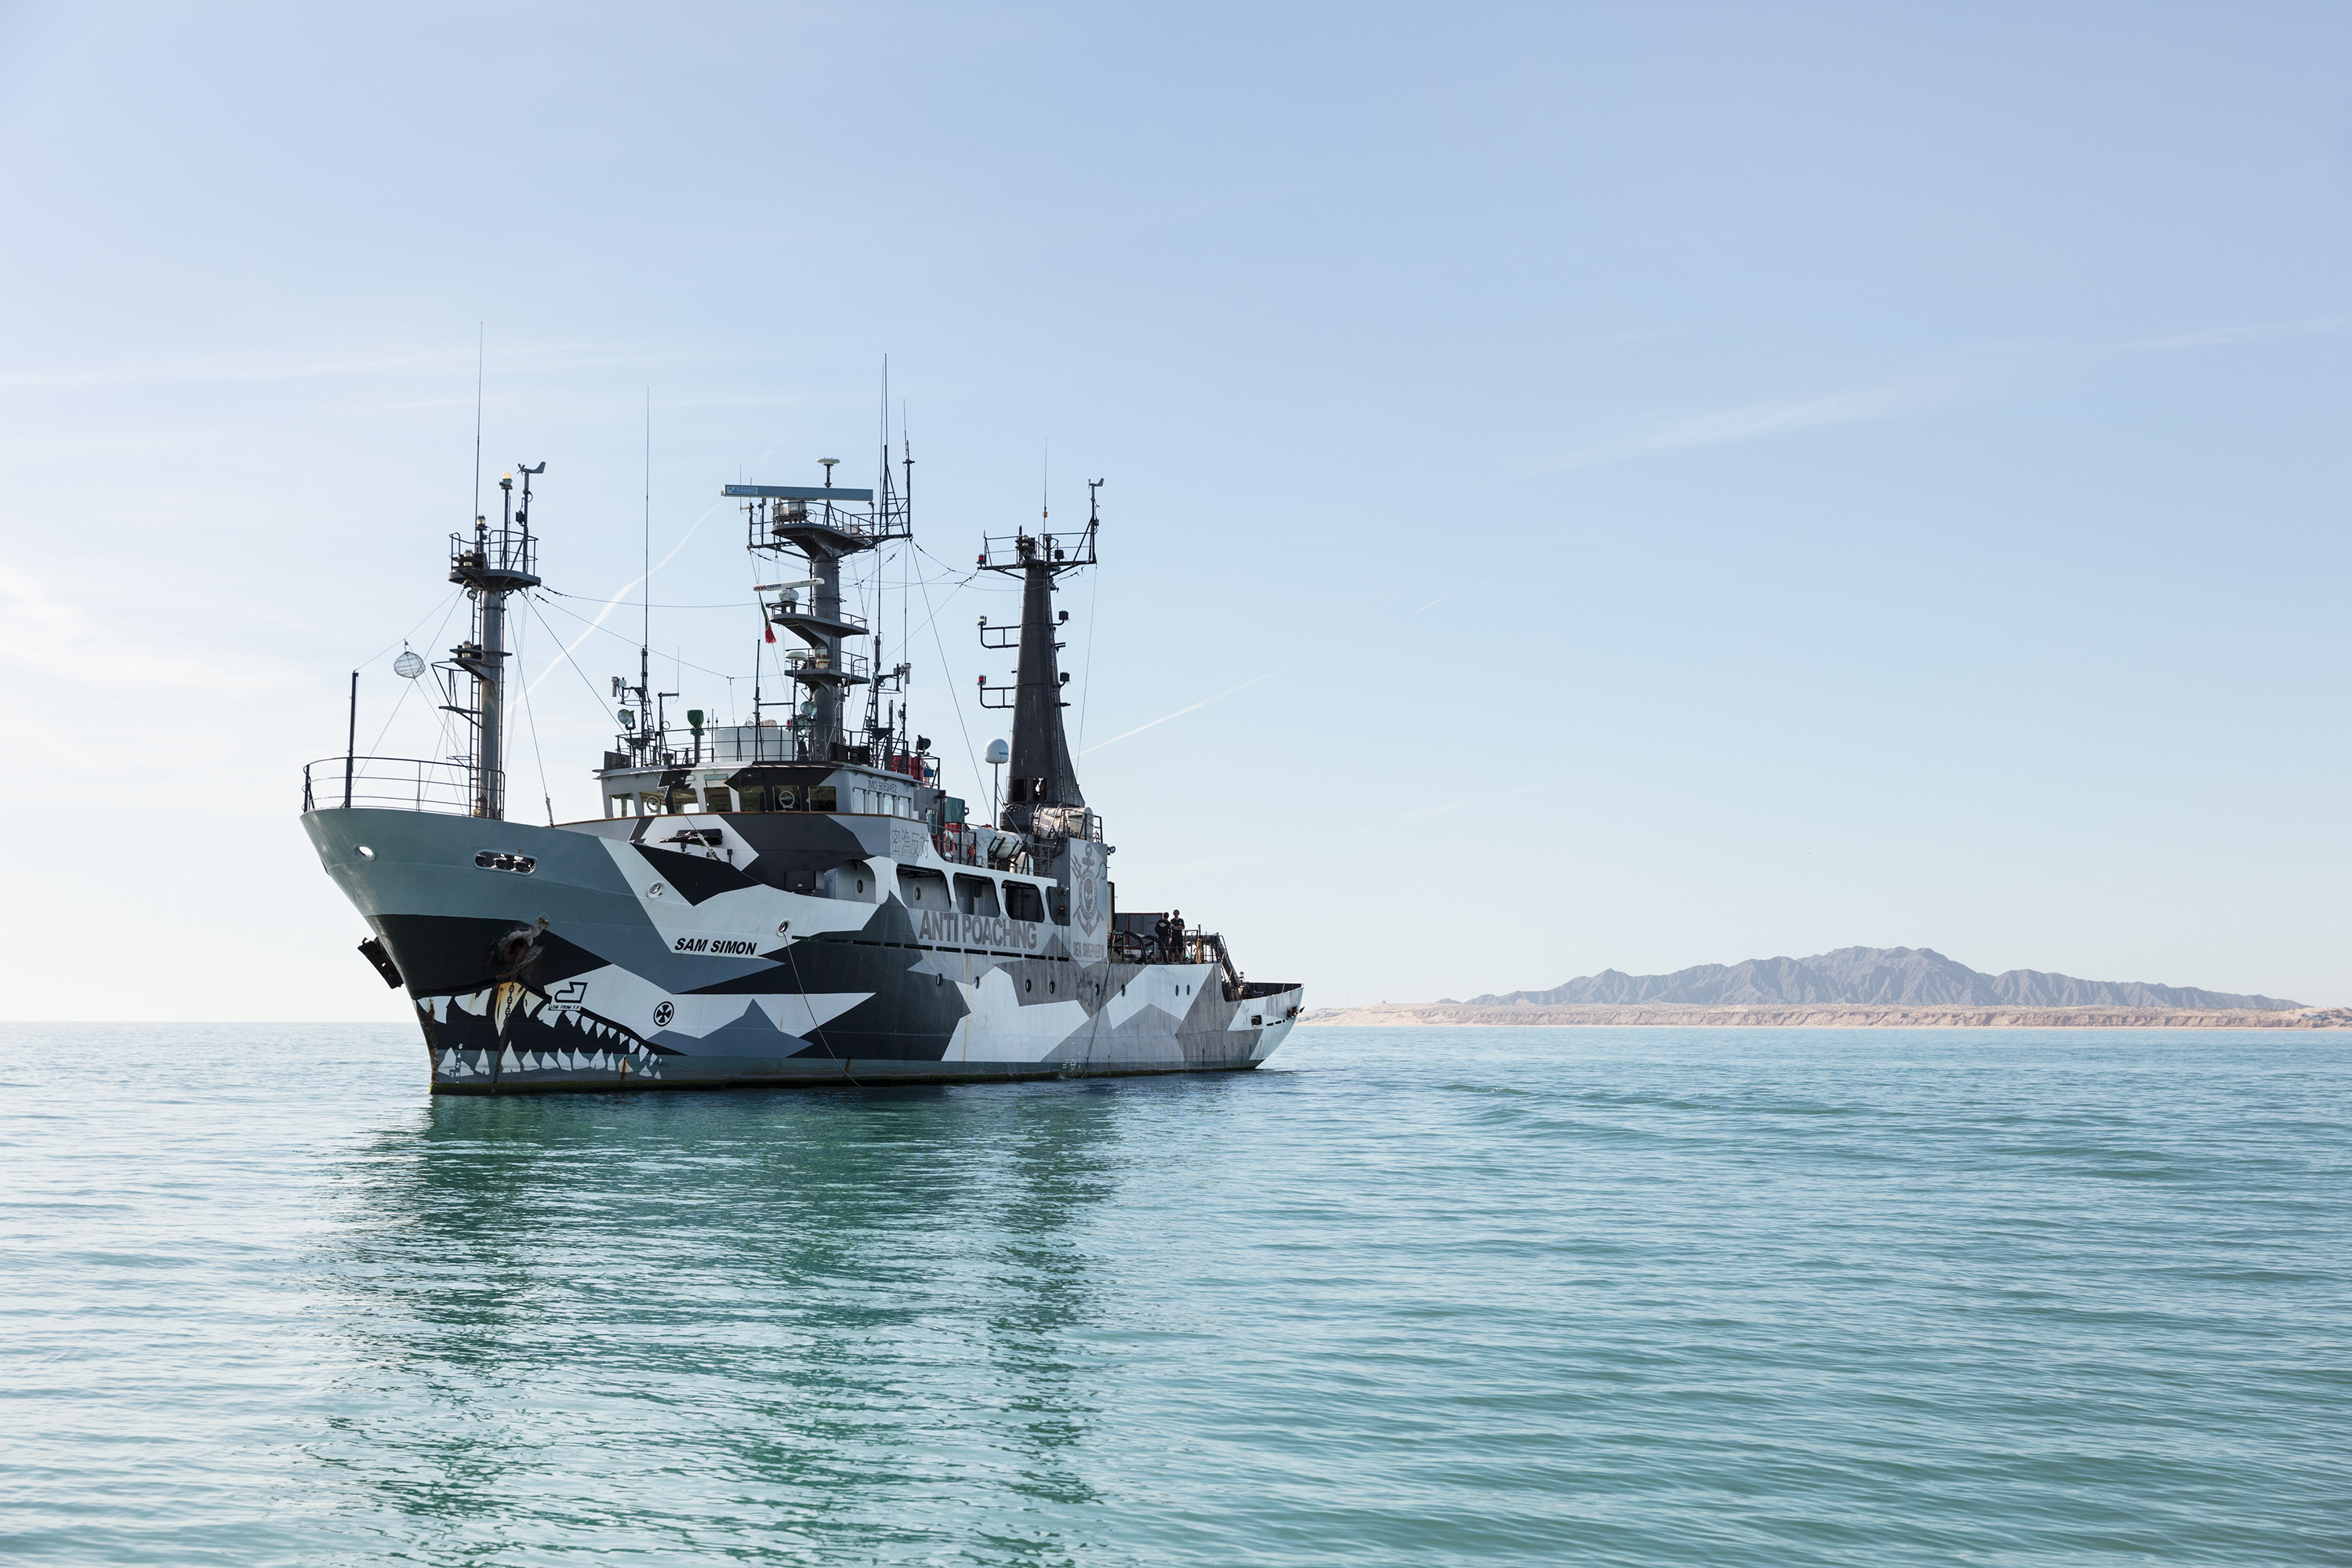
[784, 901]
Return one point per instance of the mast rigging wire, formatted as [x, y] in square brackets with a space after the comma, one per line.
[531, 723]
[597, 696]
[954, 701]
[622, 591]
[449, 608]
[403, 640]
[610, 633]
[1086, 678]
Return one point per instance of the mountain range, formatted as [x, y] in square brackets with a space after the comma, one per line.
[1919, 975]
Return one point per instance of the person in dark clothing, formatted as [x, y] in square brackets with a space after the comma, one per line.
[1176, 935]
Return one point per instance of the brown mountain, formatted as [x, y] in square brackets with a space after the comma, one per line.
[1876, 974]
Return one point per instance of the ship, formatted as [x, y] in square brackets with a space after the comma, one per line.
[796, 900]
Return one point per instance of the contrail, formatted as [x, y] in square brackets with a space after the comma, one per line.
[1254, 679]
[1443, 597]
[1384, 825]
[618, 595]
[1195, 706]
[622, 592]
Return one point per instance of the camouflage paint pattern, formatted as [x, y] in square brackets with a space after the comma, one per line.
[763, 949]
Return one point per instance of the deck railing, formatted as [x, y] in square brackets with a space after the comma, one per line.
[1054, 822]
[390, 783]
[818, 664]
[960, 844]
[1195, 946]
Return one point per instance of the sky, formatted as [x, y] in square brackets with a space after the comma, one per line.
[1585, 486]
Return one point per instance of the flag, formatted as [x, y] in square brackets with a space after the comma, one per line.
[772, 634]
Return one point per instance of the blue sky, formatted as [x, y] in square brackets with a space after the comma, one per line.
[1638, 486]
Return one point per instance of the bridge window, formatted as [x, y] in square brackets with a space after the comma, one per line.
[976, 895]
[717, 798]
[1022, 902]
[923, 889]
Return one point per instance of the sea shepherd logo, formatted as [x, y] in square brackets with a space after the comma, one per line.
[1087, 873]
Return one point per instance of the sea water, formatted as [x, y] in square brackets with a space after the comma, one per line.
[1454, 1296]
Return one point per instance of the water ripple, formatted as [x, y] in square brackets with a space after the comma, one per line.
[1432, 1296]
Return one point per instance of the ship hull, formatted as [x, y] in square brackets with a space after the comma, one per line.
[582, 959]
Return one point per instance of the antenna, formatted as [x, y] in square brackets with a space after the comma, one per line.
[480, 338]
[907, 556]
[646, 639]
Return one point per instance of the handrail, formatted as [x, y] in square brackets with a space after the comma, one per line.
[789, 609]
[395, 783]
[960, 844]
[817, 661]
[1058, 822]
[1190, 947]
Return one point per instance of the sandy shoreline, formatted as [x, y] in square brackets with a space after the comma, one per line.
[1828, 1015]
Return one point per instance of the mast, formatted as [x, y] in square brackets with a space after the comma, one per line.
[826, 524]
[491, 565]
[1043, 790]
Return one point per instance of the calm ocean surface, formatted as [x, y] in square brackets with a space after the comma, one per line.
[1637, 1296]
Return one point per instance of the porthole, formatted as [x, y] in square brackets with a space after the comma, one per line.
[366, 853]
[861, 884]
[783, 926]
[1049, 984]
[1028, 985]
[655, 892]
